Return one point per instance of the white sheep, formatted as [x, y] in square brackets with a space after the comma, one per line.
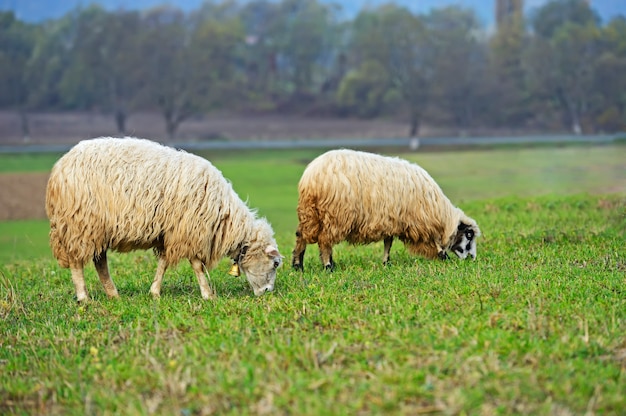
[359, 197]
[127, 194]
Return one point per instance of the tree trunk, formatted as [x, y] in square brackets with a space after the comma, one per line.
[574, 118]
[24, 125]
[120, 121]
[415, 124]
[570, 111]
[171, 125]
[170, 128]
[576, 126]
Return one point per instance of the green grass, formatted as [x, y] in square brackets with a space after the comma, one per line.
[27, 162]
[534, 326]
[23, 240]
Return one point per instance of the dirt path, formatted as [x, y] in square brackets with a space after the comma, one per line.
[22, 196]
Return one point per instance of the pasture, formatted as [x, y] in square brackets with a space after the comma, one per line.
[536, 325]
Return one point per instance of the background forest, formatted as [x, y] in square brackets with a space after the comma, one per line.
[558, 69]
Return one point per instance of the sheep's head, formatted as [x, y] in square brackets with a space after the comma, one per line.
[465, 240]
[259, 264]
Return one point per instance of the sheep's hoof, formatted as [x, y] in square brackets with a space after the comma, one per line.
[443, 255]
[330, 267]
[298, 267]
[209, 296]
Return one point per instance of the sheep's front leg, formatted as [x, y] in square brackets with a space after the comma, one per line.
[388, 241]
[102, 268]
[297, 259]
[79, 283]
[155, 288]
[205, 290]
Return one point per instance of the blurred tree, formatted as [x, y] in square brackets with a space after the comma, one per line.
[561, 60]
[189, 61]
[614, 36]
[294, 54]
[547, 19]
[411, 62]
[303, 34]
[17, 42]
[362, 91]
[81, 37]
[216, 53]
[460, 61]
[105, 62]
[399, 41]
[609, 80]
[509, 96]
[49, 61]
[168, 77]
[261, 49]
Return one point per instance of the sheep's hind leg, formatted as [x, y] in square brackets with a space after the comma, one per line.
[297, 259]
[388, 241]
[79, 283]
[102, 268]
[155, 288]
[326, 255]
[205, 290]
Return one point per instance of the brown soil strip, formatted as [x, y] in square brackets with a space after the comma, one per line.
[23, 196]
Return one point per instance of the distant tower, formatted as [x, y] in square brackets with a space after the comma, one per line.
[506, 9]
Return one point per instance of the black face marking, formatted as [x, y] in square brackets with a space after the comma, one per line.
[469, 234]
[462, 226]
[468, 246]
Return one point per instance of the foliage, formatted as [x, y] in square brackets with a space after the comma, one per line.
[460, 59]
[17, 40]
[547, 20]
[107, 50]
[362, 91]
[170, 78]
[607, 80]
[534, 326]
[410, 62]
[17, 43]
[303, 33]
[567, 72]
[507, 52]
[557, 69]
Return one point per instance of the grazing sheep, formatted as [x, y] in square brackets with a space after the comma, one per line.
[128, 194]
[360, 197]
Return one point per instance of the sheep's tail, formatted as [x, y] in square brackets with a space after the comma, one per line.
[56, 234]
[309, 226]
[58, 249]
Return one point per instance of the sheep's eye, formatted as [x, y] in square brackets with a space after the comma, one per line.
[276, 264]
[469, 234]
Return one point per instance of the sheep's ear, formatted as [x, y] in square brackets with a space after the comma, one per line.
[272, 251]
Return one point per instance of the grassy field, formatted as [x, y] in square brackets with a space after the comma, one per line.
[536, 325]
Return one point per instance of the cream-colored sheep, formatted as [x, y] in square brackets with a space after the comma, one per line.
[359, 197]
[128, 194]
